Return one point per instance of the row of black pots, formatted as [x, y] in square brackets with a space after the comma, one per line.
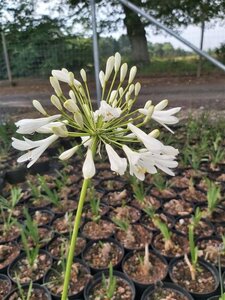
[140, 286]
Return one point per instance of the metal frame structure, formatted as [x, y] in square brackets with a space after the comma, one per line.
[154, 21]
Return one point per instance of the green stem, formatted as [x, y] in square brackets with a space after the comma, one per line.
[77, 220]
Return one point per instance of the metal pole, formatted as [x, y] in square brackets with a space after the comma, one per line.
[171, 32]
[95, 51]
[199, 69]
[9, 73]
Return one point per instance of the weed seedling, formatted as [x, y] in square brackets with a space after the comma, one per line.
[109, 285]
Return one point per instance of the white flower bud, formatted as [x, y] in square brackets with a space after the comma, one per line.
[39, 107]
[102, 78]
[148, 104]
[83, 75]
[127, 96]
[109, 67]
[129, 104]
[68, 153]
[88, 166]
[56, 102]
[72, 96]
[71, 106]
[132, 74]
[120, 91]
[154, 133]
[77, 83]
[161, 105]
[78, 119]
[81, 90]
[149, 113]
[112, 96]
[55, 84]
[117, 62]
[60, 131]
[131, 88]
[123, 72]
[71, 79]
[137, 89]
[114, 104]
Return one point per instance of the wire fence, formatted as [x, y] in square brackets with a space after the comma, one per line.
[35, 58]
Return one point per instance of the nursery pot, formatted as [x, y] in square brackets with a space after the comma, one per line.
[141, 286]
[109, 240]
[25, 287]
[73, 296]
[23, 256]
[97, 278]
[5, 285]
[205, 265]
[169, 286]
[15, 253]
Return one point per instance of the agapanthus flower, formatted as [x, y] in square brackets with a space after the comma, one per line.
[114, 127]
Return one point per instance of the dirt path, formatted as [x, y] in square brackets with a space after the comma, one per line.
[206, 93]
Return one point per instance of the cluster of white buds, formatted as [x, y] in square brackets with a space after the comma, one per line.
[114, 125]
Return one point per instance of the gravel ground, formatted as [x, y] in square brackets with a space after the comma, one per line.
[194, 95]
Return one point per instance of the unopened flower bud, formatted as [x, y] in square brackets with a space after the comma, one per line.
[60, 131]
[56, 102]
[137, 89]
[88, 166]
[117, 62]
[112, 96]
[148, 104]
[127, 96]
[39, 107]
[71, 106]
[78, 119]
[83, 75]
[154, 133]
[131, 88]
[68, 153]
[102, 78]
[132, 74]
[114, 104]
[123, 72]
[71, 79]
[162, 104]
[55, 84]
[109, 67]
[72, 96]
[120, 91]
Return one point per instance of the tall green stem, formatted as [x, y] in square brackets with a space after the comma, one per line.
[75, 232]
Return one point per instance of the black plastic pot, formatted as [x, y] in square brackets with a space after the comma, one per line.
[4, 278]
[26, 287]
[97, 279]
[207, 266]
[47, 211]
[39, 167]
[166, 285]
[109, 240]
[23, 255]
[16, 175]
[141, 287]
[217, 297]
[71, 297]
[168, 258]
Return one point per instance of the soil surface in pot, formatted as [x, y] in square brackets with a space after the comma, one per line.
[45, 236]
[98, 230]
[42, 217]
[193, 196]
[65, 206]
[164, 194]
[37, 294]
[166, 294]
[209, 250]
[59, 246]
[127, 213]
[22, 271]
[178, 207]
[10, 234]
[175, 247]
[148, 222]
[101, 253]
[134, 268]
[123, 291]
[148, 201]
[80, 276]
[135, 237]
[203, 229]
[89, 214]
[5, 287]
[204, 282]
[8, 253]
[116, 198]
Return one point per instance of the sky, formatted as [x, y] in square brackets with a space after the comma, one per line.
[214, 35]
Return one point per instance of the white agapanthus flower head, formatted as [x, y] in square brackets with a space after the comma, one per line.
[113, 126]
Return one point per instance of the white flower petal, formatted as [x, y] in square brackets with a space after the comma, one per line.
[117, 164]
